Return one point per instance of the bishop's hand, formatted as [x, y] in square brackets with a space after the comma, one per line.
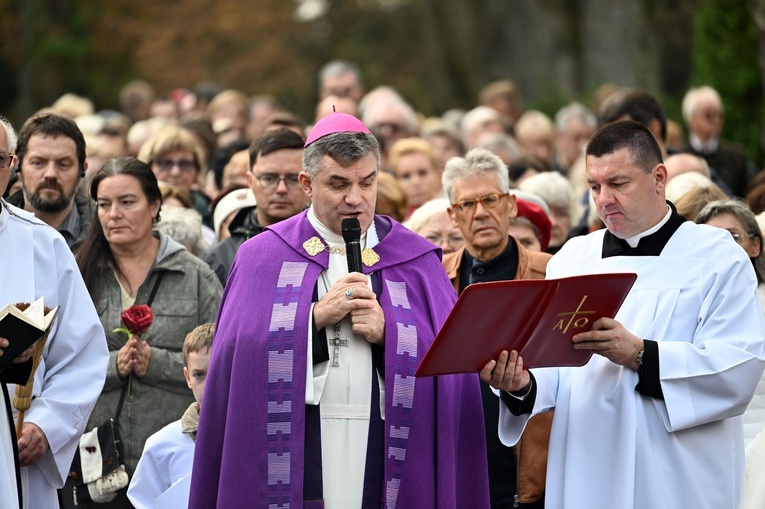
[506, 373]
[368, 320]
[348, 293]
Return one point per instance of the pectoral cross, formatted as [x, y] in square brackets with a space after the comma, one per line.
[336, 343]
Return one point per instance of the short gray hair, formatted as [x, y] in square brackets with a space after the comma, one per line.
[10, 133]
[185, 227]
[345, 148]
[693, 96]
[747, 219]
[555, 190]
[339, 67]
[476, 162]
[425, 212]
[574, 111]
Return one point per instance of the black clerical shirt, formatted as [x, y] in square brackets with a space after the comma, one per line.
[501, 459]
[649, 383]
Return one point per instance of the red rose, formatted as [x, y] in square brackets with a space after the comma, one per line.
[137, 319]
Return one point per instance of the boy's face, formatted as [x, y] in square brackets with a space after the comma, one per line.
[196, 372]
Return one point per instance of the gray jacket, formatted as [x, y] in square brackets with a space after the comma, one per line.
[188, 295]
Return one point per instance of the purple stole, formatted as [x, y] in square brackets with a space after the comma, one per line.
[422, 439]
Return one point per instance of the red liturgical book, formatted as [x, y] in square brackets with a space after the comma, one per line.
[537, 317]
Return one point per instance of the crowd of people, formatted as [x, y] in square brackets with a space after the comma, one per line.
[225, 213]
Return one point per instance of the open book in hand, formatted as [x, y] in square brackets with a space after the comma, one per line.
[22, 324]
[536, 317]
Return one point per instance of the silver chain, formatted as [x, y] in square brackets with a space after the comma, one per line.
[336, 342]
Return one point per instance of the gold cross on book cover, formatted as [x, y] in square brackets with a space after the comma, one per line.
[536, 317]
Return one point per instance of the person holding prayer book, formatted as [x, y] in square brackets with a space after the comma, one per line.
[311, 399]
[169, 453]
[481, 207]
[38, 263]
[654, 419]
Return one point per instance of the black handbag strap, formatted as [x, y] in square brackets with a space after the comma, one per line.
[125, 386]
[154, 288]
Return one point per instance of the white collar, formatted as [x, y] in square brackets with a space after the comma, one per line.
[710, 147]
[633, 241]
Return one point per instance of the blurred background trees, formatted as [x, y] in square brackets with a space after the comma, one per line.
[437, 53]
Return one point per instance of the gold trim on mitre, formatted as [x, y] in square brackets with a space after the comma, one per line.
[314, 246]
[369, 257]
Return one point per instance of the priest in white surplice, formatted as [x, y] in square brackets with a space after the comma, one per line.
[654, 419]
[36, 262]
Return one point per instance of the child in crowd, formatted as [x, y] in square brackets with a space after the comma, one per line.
[169, 453]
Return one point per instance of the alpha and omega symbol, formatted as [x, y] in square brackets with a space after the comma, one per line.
[578, 323]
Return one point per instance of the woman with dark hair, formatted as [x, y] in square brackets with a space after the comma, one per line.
[124, 261]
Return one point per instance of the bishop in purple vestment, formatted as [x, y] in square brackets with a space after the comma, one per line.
[259, 442]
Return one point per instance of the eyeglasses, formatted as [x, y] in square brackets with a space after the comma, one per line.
[712, 114]
[739, 238]
[489, 201]
[185, 165]
[271, 180]
[5, 160]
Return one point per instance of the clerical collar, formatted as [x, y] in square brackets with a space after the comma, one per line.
[368, 238]
[648, 243]
[710, 147]
[503, 267]
[635, 240]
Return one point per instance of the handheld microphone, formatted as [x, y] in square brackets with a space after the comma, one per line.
[352, 236]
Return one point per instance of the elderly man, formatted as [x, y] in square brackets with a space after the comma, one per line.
[51, 162]
[391, 119]
[310, 395]
[37, 263]
[703, 114]
[273, 177]
[341, 78]
[479, 189]
[646, 109]
[643, 422]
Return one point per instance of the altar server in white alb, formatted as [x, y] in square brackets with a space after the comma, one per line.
[654, 418]
[36, 262]
[163, 474]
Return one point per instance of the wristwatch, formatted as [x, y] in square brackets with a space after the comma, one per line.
[640, 358]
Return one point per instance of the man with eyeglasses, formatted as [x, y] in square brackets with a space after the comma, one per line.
[38, 263]
[51, 163]
[478, 188]
[275, 163]
[654, 418]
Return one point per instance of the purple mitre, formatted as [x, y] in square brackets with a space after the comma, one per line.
[336, 123]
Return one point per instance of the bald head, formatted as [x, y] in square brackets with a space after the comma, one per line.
[678, 164]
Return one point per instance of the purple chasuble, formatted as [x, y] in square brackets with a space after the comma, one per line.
[250, 445]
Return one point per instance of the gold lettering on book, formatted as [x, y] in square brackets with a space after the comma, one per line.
[578, 323]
